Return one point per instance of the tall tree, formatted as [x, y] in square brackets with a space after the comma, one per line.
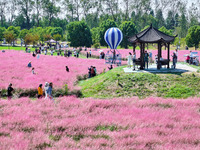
[25, 8]
[50, 10]
[112, 7]
[38, 8]
[3, 6]
[86, 6]
[12, 10]
[160, 18]
[183, 25]
[170, 21]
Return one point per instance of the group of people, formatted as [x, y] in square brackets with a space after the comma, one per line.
[148, 59]
[192, 59]
[92, 71]
[47, 89]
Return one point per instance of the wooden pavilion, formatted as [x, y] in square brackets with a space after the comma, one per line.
[152, 35]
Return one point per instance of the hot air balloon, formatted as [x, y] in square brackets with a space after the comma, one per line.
[113, 37]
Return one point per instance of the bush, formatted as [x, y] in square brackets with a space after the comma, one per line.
[96, 45]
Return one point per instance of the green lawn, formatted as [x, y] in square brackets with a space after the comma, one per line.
[116, 83]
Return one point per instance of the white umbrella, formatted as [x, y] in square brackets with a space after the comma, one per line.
[100, 51]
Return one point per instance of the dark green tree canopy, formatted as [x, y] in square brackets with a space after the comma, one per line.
[193, 38]
[79, 34]
[104, 26]
[128, 29]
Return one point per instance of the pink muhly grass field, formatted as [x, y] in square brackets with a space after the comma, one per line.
[71, 123]
[125, 53]
[13, 69]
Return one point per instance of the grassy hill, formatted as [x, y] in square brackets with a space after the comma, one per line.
[116, 83]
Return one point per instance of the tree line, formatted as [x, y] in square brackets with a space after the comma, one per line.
[36, 20]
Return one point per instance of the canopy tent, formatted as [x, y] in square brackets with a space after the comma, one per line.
[152, 35]
[51, 41]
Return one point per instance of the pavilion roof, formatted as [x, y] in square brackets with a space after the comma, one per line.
[151, 35]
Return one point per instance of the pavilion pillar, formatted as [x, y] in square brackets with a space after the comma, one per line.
[134, 47]
[168, 54]
[159, 51]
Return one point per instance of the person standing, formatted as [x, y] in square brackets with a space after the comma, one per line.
[114, 56]
[150, 57]
[67, 68]
[49, 91]
[146, 59]
[9, 91]
[40, 91]
[129, 62]
[134, 60]
[46, 86]
[174, 59]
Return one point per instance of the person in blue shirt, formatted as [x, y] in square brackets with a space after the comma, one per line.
[29, 64]
[49, 91]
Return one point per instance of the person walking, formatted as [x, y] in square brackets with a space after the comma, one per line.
[129, 62]
[46, 86]
[10, 91]
[40, 91]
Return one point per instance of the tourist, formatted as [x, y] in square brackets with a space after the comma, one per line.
[114, 56]
[134, 60]
[196, 61]
[111, 67]
[33, 54]
[38, 56]
[10, 91]
[90, 53]
[174, 60]
[95, 71]
[49, 91]
[33, 71]
[26, 49]
[51, 52]
[46, 87]
[191, 57]
[146, 59]
[40, 91]
[87, 55]
[129, 62]
[150, 57]
[187, 59]
[67, 69]
[89, 72]
[29, 64]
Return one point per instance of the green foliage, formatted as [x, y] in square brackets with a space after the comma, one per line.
[141, 85]
[23, 33]
[193, 38]
[104, 26]
[15, 30]
[95, 35]
[79, 34]
[9, 36]
[164, 30]
[28, 39]
[2, 30]
[57, 37]
[96, 45]
[180, 91]
[128, 29]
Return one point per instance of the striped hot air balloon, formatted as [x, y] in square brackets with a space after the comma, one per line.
[113, 37]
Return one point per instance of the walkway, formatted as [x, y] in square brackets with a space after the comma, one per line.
[180, 68]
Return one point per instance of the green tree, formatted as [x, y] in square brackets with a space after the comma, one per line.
[25, 7]
[164, 30]
[47, 37]
[2, 30]
[23, 33]
[128, 29]
[57, 37]
[170, 22]
[160, 18]
[57, 30]
[9, 36]
[104, 26]
[79, 34]
[183, 24]
[95, 35]
[193, 38]
[28, 39]
[16, 31]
